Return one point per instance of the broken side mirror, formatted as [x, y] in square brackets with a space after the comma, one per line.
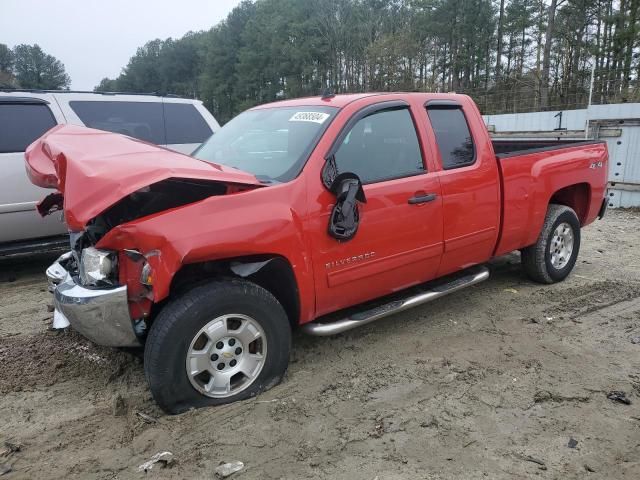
[345, 217]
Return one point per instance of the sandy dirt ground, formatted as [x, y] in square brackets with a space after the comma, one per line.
[508, 379]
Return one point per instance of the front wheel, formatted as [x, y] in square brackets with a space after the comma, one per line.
[555, 253]
[220, 342]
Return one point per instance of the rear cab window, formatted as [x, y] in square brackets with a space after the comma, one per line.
[184, 124]
[142, 120]
[453, 136]
[22, 123]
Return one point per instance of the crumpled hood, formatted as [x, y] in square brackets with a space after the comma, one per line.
[94, 169]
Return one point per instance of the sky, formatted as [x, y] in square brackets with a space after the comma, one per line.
[95, 39]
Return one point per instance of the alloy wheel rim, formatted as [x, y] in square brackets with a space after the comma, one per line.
[561, 246]
[226, 355]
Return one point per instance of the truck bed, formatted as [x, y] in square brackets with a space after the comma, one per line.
[508, 148]
[530, 175]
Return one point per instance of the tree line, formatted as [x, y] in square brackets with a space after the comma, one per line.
[29, 67]
[509, 55]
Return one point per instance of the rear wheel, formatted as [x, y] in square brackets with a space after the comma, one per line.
[220, 342]
[554, 255]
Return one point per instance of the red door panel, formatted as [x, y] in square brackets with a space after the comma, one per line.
[470, 185]
[471, 211]
[398, 244]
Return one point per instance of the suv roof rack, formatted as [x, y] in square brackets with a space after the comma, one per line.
[37, 90]
[23, 101]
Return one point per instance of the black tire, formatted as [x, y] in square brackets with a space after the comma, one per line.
[180, 320]
[536, 259]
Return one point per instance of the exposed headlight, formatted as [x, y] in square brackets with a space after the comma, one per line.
[95, 266]
[146, 275]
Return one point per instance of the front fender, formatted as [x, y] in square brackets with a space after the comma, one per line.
[258, 222]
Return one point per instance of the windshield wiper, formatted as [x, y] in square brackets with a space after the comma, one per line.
[266, 179]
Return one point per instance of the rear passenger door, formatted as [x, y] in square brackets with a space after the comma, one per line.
[22, 120]
[140, 118]
[470, 185]
[180, 125]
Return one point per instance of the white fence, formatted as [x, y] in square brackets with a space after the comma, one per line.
[618, 124]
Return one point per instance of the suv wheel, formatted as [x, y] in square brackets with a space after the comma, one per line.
[223, 341]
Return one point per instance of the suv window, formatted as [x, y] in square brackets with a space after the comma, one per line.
[453, 136]
[381, 146]
[184, 124]
[20, 125]
[141, 120]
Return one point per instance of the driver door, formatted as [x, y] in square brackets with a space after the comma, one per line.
[399, 241]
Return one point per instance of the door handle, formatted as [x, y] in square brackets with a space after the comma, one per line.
[423, 198]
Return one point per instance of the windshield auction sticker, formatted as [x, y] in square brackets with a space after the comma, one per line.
[315, 117]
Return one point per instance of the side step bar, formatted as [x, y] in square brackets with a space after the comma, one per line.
[471, 277]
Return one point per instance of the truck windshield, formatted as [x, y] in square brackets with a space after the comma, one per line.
[271, 143]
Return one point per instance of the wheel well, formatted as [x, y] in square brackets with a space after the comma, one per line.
[576, 196]
[272, 272]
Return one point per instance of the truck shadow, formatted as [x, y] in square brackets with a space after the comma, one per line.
[19, 266]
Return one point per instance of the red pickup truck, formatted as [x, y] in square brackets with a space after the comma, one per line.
[325, 213]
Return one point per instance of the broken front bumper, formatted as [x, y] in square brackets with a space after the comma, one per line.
[101, 315]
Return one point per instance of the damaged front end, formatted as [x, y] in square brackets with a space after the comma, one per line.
[93, 292]
[105, 182]
[101, 315]
[104, 268]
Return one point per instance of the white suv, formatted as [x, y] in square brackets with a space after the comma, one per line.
[177, 123]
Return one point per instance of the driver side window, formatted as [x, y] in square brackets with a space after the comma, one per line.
[381, 146]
